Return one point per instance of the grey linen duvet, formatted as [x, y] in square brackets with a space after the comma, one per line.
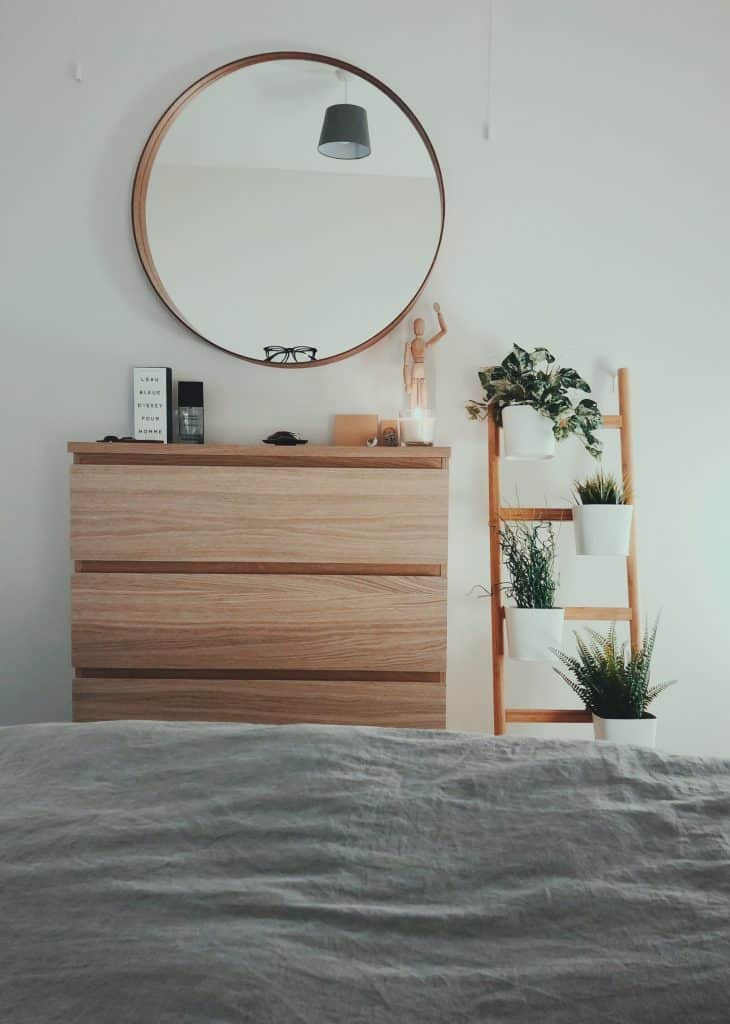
[208, 873]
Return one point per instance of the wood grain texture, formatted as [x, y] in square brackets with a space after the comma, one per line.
[545, 715]
[355, 675]
[586, 613]
[149, 454]
[251, 583]
[629, 482]
[495, 574]
[419, 705]
[383, 623]
[184, 458]
[253, 514]
[519, 515]
[354, 429]
[290, 568]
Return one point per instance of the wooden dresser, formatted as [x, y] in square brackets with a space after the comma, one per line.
[259, 584]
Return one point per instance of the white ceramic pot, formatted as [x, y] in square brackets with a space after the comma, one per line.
[526, 434]
[639, 732]
[532, 632]
[602, 529]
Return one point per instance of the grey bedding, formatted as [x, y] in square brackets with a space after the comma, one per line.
[207, 873]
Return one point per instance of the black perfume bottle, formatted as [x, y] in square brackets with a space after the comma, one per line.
[190, 420]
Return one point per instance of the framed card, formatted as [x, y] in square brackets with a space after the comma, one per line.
[152, 398]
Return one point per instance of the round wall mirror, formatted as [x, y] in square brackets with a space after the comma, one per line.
[288, 208]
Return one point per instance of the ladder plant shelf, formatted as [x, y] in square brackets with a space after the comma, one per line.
[503, 716]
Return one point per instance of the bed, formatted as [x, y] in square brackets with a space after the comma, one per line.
[309, 874]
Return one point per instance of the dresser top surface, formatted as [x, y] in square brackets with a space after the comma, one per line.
[139, 452]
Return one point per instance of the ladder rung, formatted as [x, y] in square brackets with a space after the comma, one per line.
[599, 614]
[518, 515]
[546, 715]
[613, 422]
[596, 614]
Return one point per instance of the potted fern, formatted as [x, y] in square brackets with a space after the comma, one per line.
[602, 516]
[613, 682]
[534, 625]
[530, 397]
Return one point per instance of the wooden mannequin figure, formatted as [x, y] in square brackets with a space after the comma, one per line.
[414, 373]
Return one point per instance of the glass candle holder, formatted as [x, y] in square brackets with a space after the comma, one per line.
[417, 426]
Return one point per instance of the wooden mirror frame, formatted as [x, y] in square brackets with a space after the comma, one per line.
[158, 133]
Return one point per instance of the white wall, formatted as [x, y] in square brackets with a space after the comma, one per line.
[594, 221]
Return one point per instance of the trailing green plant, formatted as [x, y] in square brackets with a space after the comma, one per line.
[534, 379]
[599, 489]
[611, 679]
[528, 552]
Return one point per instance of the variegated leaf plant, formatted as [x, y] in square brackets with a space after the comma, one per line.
[534, 379]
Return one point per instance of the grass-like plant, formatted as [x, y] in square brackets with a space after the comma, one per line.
[599, 489]
[528, 552]
[611, 679]
[534, 379]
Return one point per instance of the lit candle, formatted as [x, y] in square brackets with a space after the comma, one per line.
[417, 426]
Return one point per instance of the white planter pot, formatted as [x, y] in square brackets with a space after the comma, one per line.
[526, 434]
[532, 632]
[639, 732]
[602, 529]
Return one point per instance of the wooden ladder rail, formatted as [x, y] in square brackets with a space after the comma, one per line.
[631, 614]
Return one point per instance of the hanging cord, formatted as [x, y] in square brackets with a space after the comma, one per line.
[342, 76]
[488, 87]
[76, 67]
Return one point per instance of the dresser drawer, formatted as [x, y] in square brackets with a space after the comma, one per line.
[290, 514]
[256, 621]
[417, 705]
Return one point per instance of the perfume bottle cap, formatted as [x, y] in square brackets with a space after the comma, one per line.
[190, 393]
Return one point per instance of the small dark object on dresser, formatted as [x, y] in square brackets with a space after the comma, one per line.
[390, 437]
[190, 412]
[126, 440]
[284, 437]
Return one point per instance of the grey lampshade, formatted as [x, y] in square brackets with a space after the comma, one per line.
[345, 134]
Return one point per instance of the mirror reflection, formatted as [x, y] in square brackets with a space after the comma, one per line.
[292, 212]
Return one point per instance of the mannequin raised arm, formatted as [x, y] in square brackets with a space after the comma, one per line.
[442, 324]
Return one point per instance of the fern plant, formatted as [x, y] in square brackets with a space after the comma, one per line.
[528, 552]
[599, 489]
[534, 379]
[611, 679]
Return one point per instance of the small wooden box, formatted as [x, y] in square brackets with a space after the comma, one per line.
[352, 431]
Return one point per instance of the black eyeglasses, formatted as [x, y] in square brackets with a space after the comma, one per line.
[298, 354]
